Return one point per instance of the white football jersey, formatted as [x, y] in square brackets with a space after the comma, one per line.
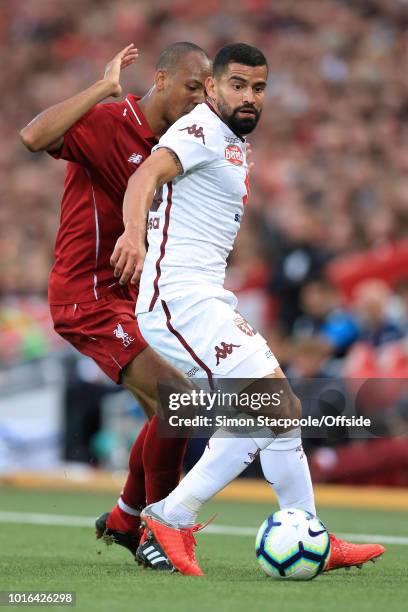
[194, 221]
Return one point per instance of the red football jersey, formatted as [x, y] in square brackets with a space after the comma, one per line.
[103, 149]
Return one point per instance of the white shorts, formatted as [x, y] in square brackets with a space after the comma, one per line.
[206, 338]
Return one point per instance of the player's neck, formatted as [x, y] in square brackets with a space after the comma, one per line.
[153, 114]
[213, 106]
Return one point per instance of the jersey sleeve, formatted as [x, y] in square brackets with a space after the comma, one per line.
[87, 141]
[194, 143]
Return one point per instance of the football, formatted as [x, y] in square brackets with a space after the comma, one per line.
[292, 544]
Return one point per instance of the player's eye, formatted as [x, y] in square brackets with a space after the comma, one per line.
[192, 87]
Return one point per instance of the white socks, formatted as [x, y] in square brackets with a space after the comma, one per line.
[287, 471]
[222, 461]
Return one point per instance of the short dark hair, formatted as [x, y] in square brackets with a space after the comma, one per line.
[171, 55]
[239, 53]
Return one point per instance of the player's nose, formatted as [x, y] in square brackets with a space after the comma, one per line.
[248, 96]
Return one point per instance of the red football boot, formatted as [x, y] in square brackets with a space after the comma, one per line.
[346, 554]
[177, 543]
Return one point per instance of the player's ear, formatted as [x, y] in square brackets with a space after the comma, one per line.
[160, 79]
[210, 87]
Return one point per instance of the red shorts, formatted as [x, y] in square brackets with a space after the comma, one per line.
[105, 330]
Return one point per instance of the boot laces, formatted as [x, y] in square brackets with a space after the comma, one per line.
[189, 538]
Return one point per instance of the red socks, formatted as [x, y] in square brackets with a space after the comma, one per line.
[133, 493]
[162, 461]
[154, 471]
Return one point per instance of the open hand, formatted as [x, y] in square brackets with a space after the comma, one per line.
[122, 60]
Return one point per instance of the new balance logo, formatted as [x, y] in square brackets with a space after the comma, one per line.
[135, 158]
[195, 131]
[222, 352]
[120, 333]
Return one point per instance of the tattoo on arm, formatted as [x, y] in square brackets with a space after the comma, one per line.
[178, 163]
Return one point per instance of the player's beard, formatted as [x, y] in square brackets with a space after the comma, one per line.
[239, 125]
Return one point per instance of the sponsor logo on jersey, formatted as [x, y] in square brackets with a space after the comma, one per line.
[135, 158]
[195, 131]
[234, 155]
[225, 349]
[244, 326]
[153, 223]
[120, 334]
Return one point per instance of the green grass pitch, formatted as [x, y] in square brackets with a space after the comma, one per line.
[62, 558]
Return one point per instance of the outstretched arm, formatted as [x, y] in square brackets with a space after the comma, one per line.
[130, 249]
[46, 131]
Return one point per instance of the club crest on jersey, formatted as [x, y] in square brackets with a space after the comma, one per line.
[234, 155]
[120, 333]
[136, 158]
[225, 349]
[244, 326]
[195, 131]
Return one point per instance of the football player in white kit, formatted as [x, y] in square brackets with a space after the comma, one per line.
[198, 172]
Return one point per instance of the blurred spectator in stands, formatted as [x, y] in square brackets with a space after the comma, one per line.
[300, 257]
[324, 316]
[372, 299]
[308, 358]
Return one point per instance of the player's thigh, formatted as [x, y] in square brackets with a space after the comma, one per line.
[106, 331]
[205, 338]
[148, 370]
[168, 342]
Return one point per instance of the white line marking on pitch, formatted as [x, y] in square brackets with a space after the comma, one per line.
[64, 520]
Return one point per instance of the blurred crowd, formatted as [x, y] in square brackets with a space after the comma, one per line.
[321, 263]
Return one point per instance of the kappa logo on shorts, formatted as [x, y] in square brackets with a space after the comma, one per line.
[120, 333]
[244, 326]
[222, 352]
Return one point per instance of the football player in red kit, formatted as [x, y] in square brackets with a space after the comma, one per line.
[104, 144]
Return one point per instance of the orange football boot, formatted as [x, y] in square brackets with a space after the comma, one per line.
[346, 554]
[177, 543]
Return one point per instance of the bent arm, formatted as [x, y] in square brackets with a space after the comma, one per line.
[130, 250]
[46, 131]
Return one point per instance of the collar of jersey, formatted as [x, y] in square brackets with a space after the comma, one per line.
[210, 106]
[138, 117]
